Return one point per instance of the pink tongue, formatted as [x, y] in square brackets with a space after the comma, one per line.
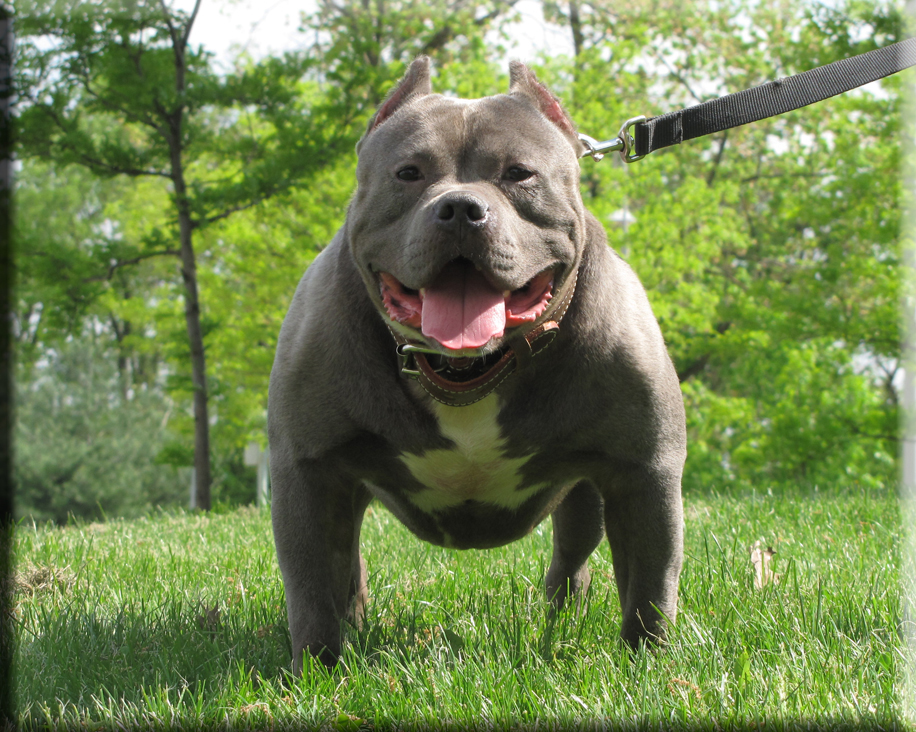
[461, 309]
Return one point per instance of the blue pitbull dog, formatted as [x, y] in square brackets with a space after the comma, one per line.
[469, 351]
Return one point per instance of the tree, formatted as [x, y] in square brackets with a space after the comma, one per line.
[82, 448]
[122, 92]
[769, 251]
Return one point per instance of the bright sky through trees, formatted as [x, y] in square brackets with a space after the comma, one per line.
[228, 27]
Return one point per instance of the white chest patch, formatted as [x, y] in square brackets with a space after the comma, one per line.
[475, 468]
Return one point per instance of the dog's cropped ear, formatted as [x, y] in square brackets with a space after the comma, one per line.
[414, 84]
[523, 82]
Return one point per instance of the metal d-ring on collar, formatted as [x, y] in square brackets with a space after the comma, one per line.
[407, 353]
[519, 352]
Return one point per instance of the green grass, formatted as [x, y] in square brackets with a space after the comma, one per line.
[179, 620]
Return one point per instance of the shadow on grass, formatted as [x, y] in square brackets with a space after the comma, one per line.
[80, 653]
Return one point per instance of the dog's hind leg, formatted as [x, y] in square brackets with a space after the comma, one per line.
[578, 528]
[358, 595]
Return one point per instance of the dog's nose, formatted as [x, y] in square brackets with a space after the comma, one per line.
[456, 209]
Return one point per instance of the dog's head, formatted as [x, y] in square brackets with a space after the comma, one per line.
[467, 220]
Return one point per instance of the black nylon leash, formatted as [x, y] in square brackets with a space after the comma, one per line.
[752, 105]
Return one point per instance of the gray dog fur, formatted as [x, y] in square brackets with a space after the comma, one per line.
[591, 431]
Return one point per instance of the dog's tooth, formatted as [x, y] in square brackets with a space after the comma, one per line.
[422, 292]
[506, 294]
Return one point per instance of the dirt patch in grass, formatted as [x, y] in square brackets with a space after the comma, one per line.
[39, 580]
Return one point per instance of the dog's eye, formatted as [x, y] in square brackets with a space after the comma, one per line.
[410, 173]
[517, 173]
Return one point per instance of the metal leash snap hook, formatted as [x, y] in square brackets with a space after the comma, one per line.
[624, 143]
[597, 149]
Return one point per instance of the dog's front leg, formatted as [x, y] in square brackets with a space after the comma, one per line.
[317, 514]
[643, 518]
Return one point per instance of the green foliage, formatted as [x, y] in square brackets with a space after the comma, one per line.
[369, 46]
[84, 449]
[100, 88]
[104, 93]
[252, 265]
[58, 231]
[75, 234]
[121, 92]
[769, 252]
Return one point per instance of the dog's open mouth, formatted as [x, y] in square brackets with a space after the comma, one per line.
[461, 309]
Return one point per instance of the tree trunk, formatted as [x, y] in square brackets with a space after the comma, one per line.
[192, 321]
[575, 24]
[189, 273]
[195, 336]
[125, 382]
